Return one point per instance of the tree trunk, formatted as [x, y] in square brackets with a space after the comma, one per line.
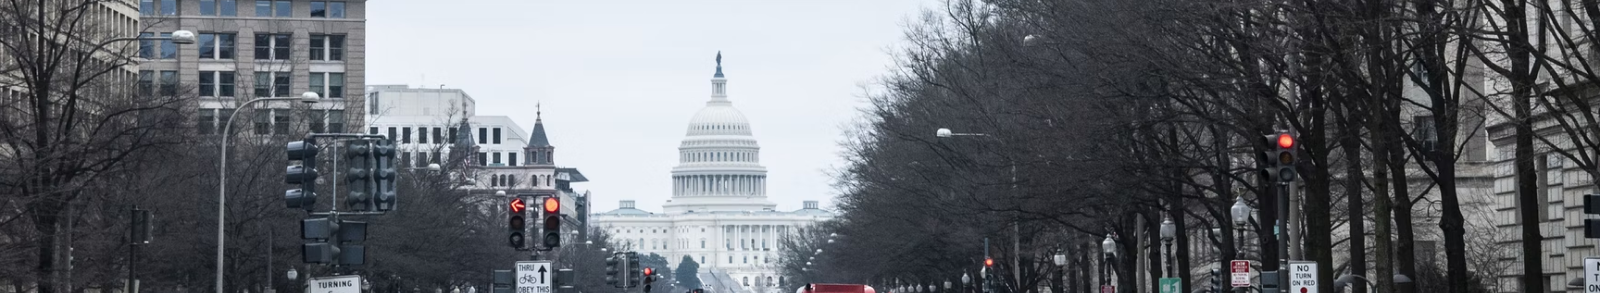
[1380, 205]
[47, 221]
[1405, 252]
[1351, 143]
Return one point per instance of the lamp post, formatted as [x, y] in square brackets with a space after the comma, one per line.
[1109, 247]
[292, 275]
[1169, 231]
[222, 173]
[966, 282]
[1016, 223]
[1241, 219]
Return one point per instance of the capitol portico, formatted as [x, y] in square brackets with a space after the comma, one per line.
[719, 214]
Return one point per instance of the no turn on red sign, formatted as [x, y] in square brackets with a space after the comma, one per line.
[1240, 273]
[1302, 277]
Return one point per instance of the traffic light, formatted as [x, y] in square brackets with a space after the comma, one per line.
[304, 174]
[1591, 205]
[384, 175]
[648, 278]
[333, 241]
[141, 227]
[988, 262]
[518, 225]
[633, 269]
[1282, 153]
[1216, 281]
[613, 272]
[503, 281]
[552, 222]
[358, 177]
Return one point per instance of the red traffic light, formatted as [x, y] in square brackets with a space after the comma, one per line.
[988, 262]
[552, 205]
[1285, 141]
[648, 271]
[517, 206]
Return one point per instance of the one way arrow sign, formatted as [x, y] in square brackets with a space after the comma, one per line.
[533, 277]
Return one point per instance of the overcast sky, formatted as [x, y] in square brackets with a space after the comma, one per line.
[619, 80]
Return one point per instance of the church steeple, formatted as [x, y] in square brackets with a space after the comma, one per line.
[539, 151]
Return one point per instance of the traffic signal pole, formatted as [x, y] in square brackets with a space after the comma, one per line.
[1283, 237]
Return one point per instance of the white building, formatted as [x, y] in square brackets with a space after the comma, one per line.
[426, 124]
[719, 214]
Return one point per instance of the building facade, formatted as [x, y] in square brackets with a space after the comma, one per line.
[719, 215]
[250, 49]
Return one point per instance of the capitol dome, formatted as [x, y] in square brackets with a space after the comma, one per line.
[719, 162]
[719, 118]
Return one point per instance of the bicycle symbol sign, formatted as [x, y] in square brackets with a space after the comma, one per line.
[535, 277]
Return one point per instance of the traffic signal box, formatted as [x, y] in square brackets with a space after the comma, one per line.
[303, 174]
[1282, 156]
[1591, 205]
[552, 222]
[518, 226]
[329, 240]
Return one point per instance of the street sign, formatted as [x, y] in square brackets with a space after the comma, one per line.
[1302, 277]
[1171, 285]
[1240, 270]
[1591, 274]
[1108, 289]
[335, 284]
[535, 277]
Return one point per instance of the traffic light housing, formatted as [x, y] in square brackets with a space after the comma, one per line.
[613, 271]
[358, 177]
[633, 269]
[1281, 156]
[649, 277]
[384, 175]
[1216, 281]
[518, 226]
[552, 222]
[304, 174]
[1591, 205]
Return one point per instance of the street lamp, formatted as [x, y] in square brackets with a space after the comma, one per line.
[1169, 231]
[1030, 40]
[1241, 219]
[292, 275]
[222, 169]
[1109, 248]
[1016, 223]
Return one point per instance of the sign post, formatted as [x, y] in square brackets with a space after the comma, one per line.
[1171, 285]
[335, 284]
[535, 277]
[1302, 277]
[1240, 271]
[1591, 275]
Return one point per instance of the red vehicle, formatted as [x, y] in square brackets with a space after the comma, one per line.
[836, 288]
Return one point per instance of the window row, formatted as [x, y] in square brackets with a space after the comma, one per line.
[735, 156]
[263, 8]
[224, 83]
[224, 46]
[272, 121]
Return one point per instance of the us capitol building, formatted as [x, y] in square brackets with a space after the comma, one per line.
[719, 214]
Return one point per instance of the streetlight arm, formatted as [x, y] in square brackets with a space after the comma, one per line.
[222, 181]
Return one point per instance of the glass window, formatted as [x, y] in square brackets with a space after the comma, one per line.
[280, 47]
[336, 9]
[393, 133]
[208, 7]
[317, 81]
[225, 85]
[147, 82]
[283, 8]
[512, 159]
[318, 45]
[405, 135]
[483, 159]
[169, 83]
[263, 85]
[169, 50]
[206, 123]
[263, 8]
[319, 9]
[208, 83]
[422, 135]
[280, 84]
[263, 46]
[496, 136]
[483, 135]
[280, 122]
[372, 130]
[263, 121]
[336, 121]
[496, 157]
[335, 48]
[147, 47]
[208, 46]
[229, 8]
[147, 7]
[169, 7]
